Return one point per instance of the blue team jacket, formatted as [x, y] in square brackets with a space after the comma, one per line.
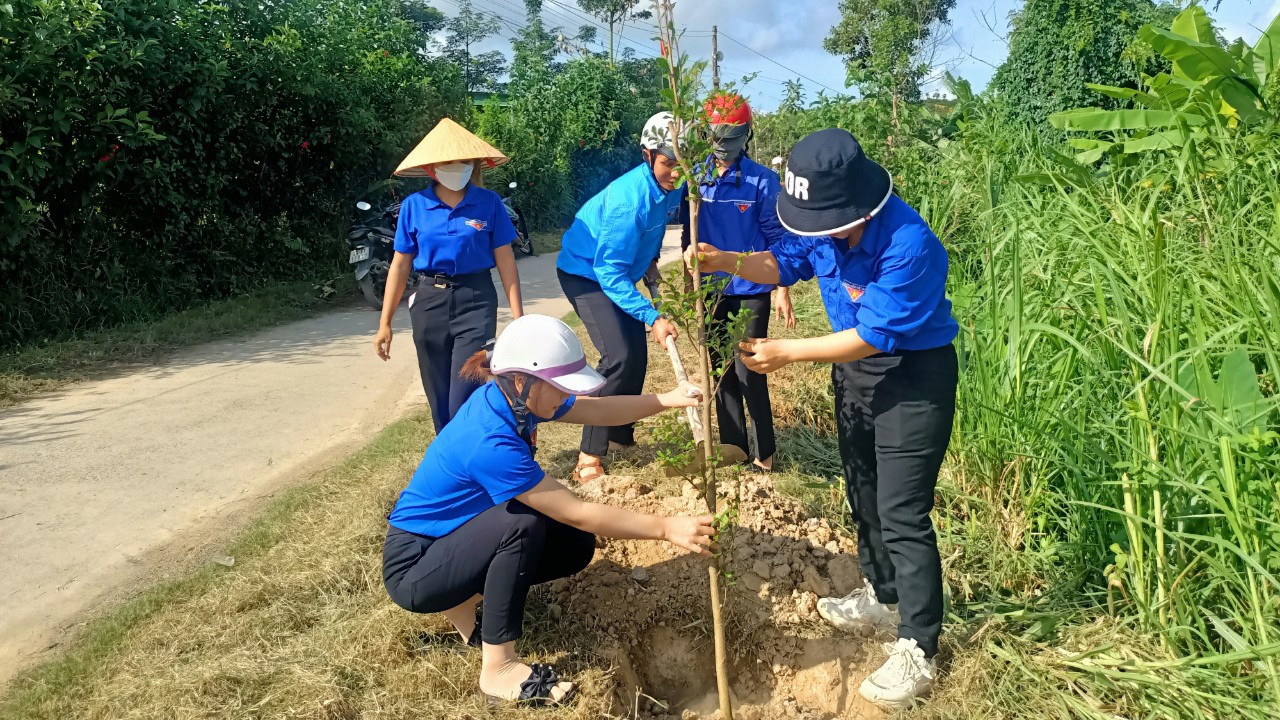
[739, 214]
[890, 287]
[617, 234]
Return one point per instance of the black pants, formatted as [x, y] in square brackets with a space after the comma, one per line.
[451, 324]
[624, 359]
[740, 383]
[499, 554]
[894, 415]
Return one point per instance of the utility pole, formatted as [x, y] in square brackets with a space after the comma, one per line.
[715, 58]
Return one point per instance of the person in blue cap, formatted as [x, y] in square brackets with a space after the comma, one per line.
[450, 236]
[481, 521]
[614, 241]
[882, 274]
[738, 212]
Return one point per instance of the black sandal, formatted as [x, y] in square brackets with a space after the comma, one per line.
[536, 691]
[474, 639]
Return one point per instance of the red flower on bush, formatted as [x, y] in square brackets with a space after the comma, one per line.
[104, 158]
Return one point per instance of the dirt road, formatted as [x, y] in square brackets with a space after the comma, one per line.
[116, 483]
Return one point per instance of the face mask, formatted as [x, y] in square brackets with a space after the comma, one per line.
[730, 149]
[454, 176]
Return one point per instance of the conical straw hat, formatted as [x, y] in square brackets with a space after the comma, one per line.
[448, 142]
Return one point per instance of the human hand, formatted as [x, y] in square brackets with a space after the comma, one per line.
[686, 394]
[783, 309]
[690, 533]
[662, 327]
[382, 342]
[708, 257]
[764, 355]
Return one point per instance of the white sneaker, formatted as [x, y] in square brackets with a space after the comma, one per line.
[859, 607]
[905, 676]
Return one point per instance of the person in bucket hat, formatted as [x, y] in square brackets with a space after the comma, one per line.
[480, 519]
[738, 212]
[614, 241]
[882, 274]
[450, 236]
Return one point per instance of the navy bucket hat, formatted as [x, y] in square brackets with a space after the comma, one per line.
[830, 185]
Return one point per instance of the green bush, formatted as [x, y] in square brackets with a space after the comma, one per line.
[1056, 46]
[155, 154]
[572, 135]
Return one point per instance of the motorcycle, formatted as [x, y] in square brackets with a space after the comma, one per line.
[523, 242]
[372, 244]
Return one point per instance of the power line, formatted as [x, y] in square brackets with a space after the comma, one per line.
[775, 62]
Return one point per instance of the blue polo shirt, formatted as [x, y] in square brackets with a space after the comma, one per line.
[739, 214]
[478, 461]
[617, 234]
[890, 287]
[453, 240]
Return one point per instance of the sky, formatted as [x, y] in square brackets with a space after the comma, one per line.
[782, 39]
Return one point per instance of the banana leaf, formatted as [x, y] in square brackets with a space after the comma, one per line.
[1192, 59]
[1099, 120]
[1167, 140]
[1120, 93]
[1193, 24]
[1266, 52]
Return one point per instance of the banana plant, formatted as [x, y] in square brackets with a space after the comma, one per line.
[1213, 90]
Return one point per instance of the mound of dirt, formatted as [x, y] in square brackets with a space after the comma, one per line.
[650, 600]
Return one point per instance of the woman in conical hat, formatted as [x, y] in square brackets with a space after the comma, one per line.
[450, 236]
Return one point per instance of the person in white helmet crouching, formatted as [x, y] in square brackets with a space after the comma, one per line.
[480, 520]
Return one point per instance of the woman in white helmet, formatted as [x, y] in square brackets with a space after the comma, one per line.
[615, 239]
[480, 520]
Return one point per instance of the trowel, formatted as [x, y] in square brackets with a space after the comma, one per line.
[727, 454]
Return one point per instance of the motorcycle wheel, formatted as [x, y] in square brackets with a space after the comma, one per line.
[374, 287]
[524, 243]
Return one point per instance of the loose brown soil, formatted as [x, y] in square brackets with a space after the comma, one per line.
[648, 604]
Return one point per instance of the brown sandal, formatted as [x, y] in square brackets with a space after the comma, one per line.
[580, 474]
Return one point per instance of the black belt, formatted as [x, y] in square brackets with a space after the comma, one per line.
[440, 280]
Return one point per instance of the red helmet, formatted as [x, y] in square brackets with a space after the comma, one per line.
[727, 109]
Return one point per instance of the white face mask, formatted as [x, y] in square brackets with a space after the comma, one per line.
[454, 176]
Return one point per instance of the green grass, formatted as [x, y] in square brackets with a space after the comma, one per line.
[546, 242]
[33, 369]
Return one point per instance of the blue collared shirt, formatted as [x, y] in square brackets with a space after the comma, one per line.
[617, 234]
[890, 287]
[478, 461]
[739, 214]
[453, 241]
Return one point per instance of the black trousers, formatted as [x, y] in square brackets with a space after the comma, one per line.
[739, 383]
[499, 554]
[624, 358]
[451, 324]
[894, 415]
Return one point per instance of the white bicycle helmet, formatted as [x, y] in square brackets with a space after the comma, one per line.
[547, 349]
[656, 134]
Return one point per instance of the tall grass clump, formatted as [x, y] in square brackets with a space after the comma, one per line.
[1117, 431]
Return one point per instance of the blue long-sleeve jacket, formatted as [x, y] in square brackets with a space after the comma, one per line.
[739, 214]
[616, 236]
